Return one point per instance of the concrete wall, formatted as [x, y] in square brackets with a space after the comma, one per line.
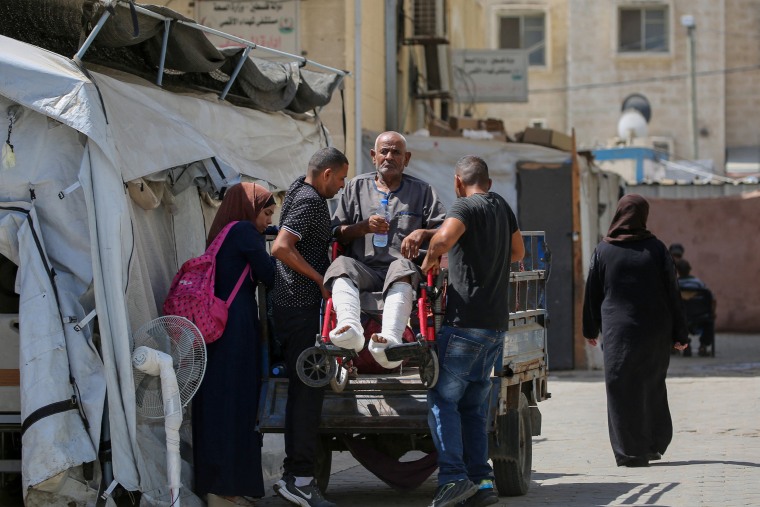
[323, 34]
[600, 78]
[586, 79]
[720, 236]
[474, 26]
[742, 92]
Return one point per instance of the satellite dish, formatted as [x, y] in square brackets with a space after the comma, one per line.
[639, 103]
[632, 124]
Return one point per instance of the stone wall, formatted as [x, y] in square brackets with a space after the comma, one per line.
[720, 236]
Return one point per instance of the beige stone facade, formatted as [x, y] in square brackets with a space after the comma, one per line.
[586, 77]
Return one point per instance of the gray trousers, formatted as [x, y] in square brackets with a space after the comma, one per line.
[373, 284]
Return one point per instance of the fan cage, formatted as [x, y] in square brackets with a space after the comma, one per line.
[179, 338]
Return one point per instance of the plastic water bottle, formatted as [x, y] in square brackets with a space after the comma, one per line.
[380, 239]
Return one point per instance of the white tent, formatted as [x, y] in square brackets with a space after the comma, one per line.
[84, 143]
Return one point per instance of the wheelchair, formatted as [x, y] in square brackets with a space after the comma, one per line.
[325, 363]
[699, 310]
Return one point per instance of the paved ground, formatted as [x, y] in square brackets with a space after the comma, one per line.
[714, 458]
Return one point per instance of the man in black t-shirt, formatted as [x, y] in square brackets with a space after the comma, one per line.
[301, 251]
[481, 235]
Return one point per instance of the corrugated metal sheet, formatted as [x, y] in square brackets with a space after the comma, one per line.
[672, 190]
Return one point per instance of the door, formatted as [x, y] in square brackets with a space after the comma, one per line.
[544, 202]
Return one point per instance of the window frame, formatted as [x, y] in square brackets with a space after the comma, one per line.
[505, 11]
[642, 9]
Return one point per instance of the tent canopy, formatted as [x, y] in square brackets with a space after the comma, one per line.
[105, 198]
[191, 61]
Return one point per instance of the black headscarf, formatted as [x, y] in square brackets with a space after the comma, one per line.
[630, 220]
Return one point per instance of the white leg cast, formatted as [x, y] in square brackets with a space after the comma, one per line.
[396, 310]
[345, 296]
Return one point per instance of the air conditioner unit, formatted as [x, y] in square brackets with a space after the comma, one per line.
[429, 19]
[538, 123]
[436, 76]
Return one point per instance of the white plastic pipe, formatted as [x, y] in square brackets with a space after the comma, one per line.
[154, 362]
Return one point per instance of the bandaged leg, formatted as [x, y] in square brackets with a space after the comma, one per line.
[397, 307]
[348, 334]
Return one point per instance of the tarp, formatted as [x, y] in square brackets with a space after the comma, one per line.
[80, 141]
[433, 160]
[191, 61]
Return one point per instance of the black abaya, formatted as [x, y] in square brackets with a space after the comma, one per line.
[632, 297]
[226, 447]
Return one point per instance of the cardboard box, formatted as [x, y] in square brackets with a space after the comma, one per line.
[548, 137]
[490, 124]
[493, 125]
[438, 128]
[461, 123]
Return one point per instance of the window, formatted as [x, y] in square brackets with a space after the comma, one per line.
[643, 30]
[524, 32]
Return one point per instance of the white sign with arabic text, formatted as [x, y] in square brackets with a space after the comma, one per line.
[269, 23]
[490, 75]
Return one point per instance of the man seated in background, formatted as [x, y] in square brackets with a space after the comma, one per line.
[687, 282]
[676, 251]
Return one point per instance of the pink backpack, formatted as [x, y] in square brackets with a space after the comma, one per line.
[191, 294]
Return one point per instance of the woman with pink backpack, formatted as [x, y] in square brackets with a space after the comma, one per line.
[226, 449]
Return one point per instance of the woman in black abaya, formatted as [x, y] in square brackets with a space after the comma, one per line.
[226, 446]
[632, 297]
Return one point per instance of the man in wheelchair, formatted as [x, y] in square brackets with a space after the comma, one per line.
[699, 308]
[414, 212]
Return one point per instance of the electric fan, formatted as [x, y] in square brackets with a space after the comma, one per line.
[168, 363]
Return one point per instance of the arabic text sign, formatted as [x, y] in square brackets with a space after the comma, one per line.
[273, 23]
[490, 75]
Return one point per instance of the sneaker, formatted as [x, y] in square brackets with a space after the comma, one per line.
[486, 495]
[451, 493]
[305, 496]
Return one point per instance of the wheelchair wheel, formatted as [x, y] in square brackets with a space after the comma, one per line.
[315, 367]
[429, 368]
[340, 380]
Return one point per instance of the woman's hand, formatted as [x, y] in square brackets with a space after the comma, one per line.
[680, 346]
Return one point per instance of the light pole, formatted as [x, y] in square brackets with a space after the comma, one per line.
[688, 22]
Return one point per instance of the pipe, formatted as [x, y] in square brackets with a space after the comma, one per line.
[154, 362]
[94, 33]
[358, 86]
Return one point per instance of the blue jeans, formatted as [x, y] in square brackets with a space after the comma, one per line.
[459, 402]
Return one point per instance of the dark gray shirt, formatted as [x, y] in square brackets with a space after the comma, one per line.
[414, 205]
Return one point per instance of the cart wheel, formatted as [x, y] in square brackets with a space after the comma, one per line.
[315, 367]
[513, 456]
[340, 380]
[429, 368]
[323, 463]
